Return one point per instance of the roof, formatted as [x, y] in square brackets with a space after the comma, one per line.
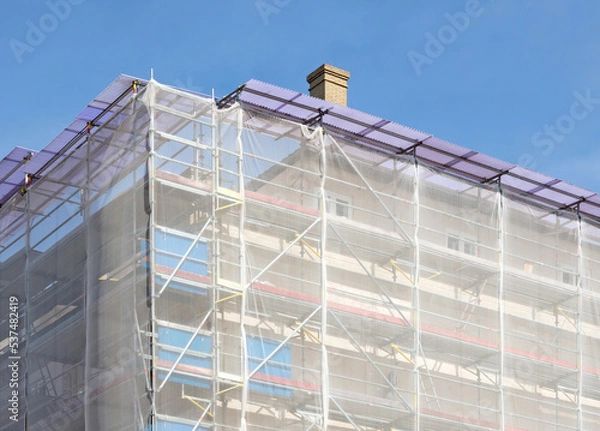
[364, 129]
[21, 161]
[397, 140]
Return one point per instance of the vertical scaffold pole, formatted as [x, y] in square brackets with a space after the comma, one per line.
[88, 247]
[501, 261]
[579, 318]
[416, 296]
[84, 205]
[323, 234]
[27, 279]
[151, 94]
[242, 262]
[216, 346]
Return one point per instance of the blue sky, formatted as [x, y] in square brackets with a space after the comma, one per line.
[518, 80]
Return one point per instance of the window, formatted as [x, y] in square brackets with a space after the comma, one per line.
[470, 248]
[171, 342]
[338, 205]
[569, 277]
[453, 243]
[276, 371]
[463, 245]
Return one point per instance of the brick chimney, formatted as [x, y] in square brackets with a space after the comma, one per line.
[329, 83]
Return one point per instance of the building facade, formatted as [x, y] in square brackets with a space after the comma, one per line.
[272, 261]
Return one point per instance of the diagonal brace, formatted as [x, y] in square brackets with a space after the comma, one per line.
[373, 279]
[345, 414]
[290, 245]
[185, 349]
[283, 343]
[184, 257]
[392, 387]
[202, 417]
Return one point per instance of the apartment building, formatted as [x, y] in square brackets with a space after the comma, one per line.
[275, 261]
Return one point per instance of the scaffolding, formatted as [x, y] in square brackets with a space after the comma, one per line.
[186, 264]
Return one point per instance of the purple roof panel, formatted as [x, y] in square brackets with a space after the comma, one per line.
[474, 170]
[531, 175]
[574, 190]
[390, 140]
[6, 188]
[295, 111]
[447, 147]
[356, 116]
[270, 89]
[591, 210]
[344, 124]
[493, 163]
[17, 154]
[39, 160]
[433, 156]
[260, 101]
[89, 113]
[116, 88]
[11, 176]
[313, 102]
[405, 131]
[517, 183]
[557, 196]
[60, 141]
[595, 199]
[96, 104]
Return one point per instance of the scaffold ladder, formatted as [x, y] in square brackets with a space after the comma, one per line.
[429, 388]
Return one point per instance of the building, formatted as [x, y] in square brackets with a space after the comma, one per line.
[271, 260]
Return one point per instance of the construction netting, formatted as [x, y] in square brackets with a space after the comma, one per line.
[195, 267]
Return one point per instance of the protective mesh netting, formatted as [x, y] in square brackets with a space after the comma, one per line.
[195, 268]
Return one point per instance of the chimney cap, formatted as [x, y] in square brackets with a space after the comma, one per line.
[329, 83]
[328, 69]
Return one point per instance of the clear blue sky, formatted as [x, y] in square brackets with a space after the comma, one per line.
[518, 80]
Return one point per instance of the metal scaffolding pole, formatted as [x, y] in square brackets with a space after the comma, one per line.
[579, 279]
[242, 260]
[501, 260]
[151, 94]
[87, 285]
[214, 257]
[323, 280]
[28, 323]
[416, 301]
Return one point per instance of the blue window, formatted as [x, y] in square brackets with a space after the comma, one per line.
[278, 366]
[179, 338]
[169, 249]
